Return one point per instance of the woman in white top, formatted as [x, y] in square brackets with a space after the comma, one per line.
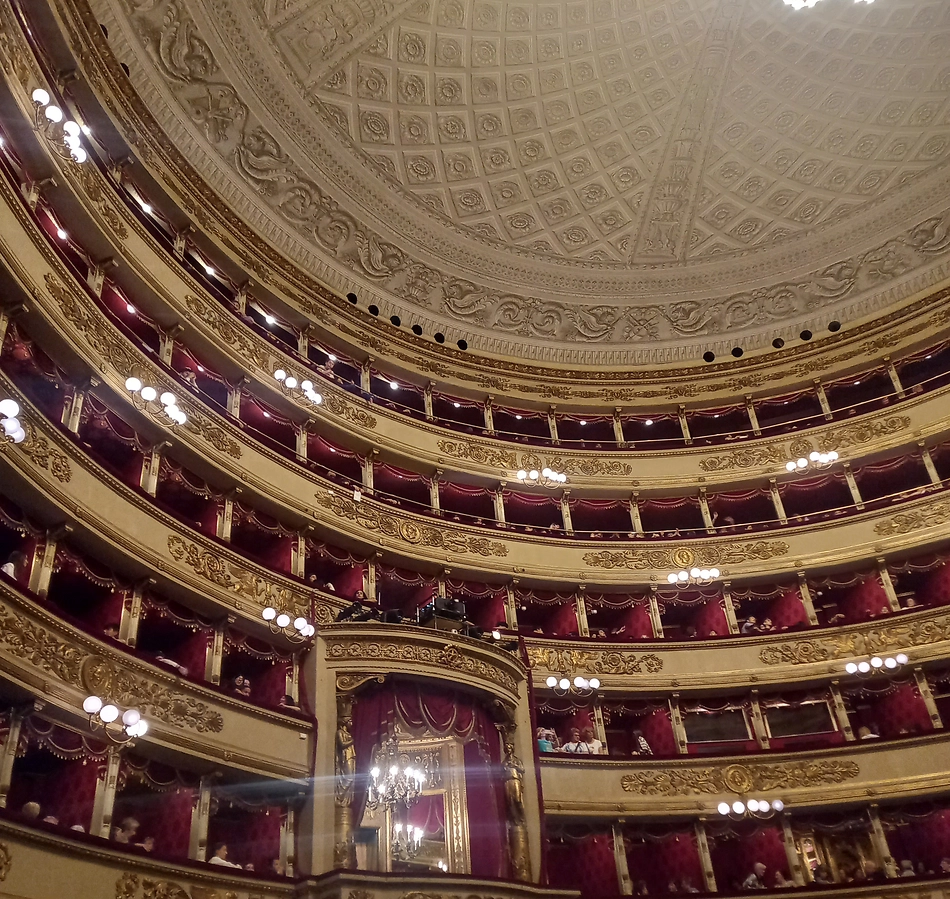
[220, 856]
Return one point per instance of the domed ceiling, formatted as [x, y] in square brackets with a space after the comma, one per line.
[599, 182]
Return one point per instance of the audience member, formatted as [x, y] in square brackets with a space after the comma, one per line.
[30, 811]
[544, 741]
[686, 886]
[189, 377]
[125, 831]
[766, 627]
[220, 856]
[241, 686]
[51, 819]
[595, 746]
[640, 744]
[923, 870]
[756, 879]
[641, 888]
[147, 844]
[782, 882]
[945, 865]
[111, 631]
[277, 867]
[14, 564]
[865, 733]
[749, 626]
[163, 659]
[822, 875]
[78, 828]
[575, 744]
[907, 868]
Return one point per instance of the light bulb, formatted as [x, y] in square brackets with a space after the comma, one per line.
[79, 155]
[393, 385]
[901, 658]
[149, 394]
[283, 619]
[54, 113]
[738, 807]
[316, 398]
[714, 573]
[522, 474]
[801, 463]
[851, 668]
[533, 474]
[209, 270]
[71, 128]
[546, 472]
[269, 614]
[291, 383]
[61, 234]
[280, 374]
[71, 141]
[147, 208]
[877, 662]
[9, 408]
[140, 729]
[683, 576]
[814, 456]
[694, 572]
[331, 357]
[753, 805]
[833, 456]
[309, 631]
[306, 386]
[564, 683]
[131, 717]
[167, 398]
[551, 681]
[671, 577]
[374, 773]
[594, 683]
[40, 96]
[723, 808]
[130, 308]
[789, 466]
[890, 663]
[172, 412]
[270, 319]
[18, 436]
[864, 667]
[91, 705]
[300, 624]
[580, 683]
[778, 805]
[704, 574]
[11, 426]
[108, 713]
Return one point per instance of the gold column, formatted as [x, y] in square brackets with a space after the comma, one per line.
[923, 687]
[518, 849]
[298, 555]
[895, 378]
[676, 719]
[704, 509]
[104, 802]
[853, 486]
[624, 881]
[841, 712]
[684, 424]
[301, 448]
[7, 314]
[705, 857]
[499, 502]
[96, 277]
[758, 722]
[287, 830]
[344, 845]
[489, 415]
[932, 472]
[879, 840]
[635, 521]
[167, 343]
[292, 682]
[366, 375]
[511, 607]
[823, 400]
[656, 620]
[225, 517]
[777, 501]
[132, 613]
[791, 853]
[618, 428]
[234, 396]
[552, 424]
[72, 412]
[435, 501]
[44, 556]
[729, 608]
[8, 752]
[753, 415]
[368, 460]
[151, 466]
[805, 592]
[200, 813]
[369, 588]
[566, 522]
[215, 654]
[583, 628]
[600, 727]
[427, 401]
[888, 585]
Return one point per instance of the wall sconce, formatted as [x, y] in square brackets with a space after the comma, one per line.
[817, 461]
[120, 727]
[547, 477]
[280, 623]
[296, 388]
[63, 135]
[12, 428]
[755, 808]
[149, 395]
[868, 667]
[581, 685]
[701, 576]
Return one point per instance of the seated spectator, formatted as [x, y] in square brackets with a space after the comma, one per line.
[822, 875]
[923, 870]
[907, 868]
[147, 844]
[16, 562]
[288, 702]
[782, 882]
[671, 887]
[220, 856]
[945, 865]
[189, 377]
[755, 880]
[686, 886]
[749, 626]
[595, 746]
[51, 819]
[111, 631]
[78, 828]
[544, 742]
[641, 889]
[766, 627]
[911, 603]
[30, 811]
[865, 733]
[125, 831]
[277, 867]
[640, 744]
[241, 686]
[575, 744]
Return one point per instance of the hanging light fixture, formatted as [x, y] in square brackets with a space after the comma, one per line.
[120, 727]
[814, 460]
[63, 136]
[546, 477]
[295, 629]
[12, 428]
[295, 387]
[392, 783]
[579, 684]
[150, 399]
[876, 664]
[406, 841]
[751, 808]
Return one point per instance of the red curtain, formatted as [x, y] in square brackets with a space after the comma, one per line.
[584, 863]
[736, 848]
[660, 861]
[658, 730]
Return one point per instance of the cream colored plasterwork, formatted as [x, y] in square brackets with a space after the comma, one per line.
[803, 198]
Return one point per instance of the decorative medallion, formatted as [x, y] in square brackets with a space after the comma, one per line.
[715, 554]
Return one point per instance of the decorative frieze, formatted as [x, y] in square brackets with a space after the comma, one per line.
[740, 779]
[667, 558]
[599, 661]
[495, 457]
[931, 515]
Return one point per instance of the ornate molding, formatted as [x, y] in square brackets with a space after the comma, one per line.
[127, 887]
[687, 556]
[408, 531]
[43, 455]
[739, 779]
[240, 581]
[847, 644]
[36, 645]
[860, 432]
[495, 457]
[450, 657]
[931, 515]
[6, 861]
[113, 349]
[601, 661]
[746, 457]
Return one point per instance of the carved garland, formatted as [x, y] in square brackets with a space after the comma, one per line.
[607, 661]
[401, 529]
[39, 647]
[739, 779]
[932, 515]
[447, 657]
[577, 466]
[687, 556]
[845, 645]
[44, 455]
[127, 887]
[226, 574]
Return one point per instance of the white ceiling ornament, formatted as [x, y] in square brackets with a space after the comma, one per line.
[808, 4]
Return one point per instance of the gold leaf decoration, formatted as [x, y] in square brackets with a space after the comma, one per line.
[931, 515]
[6, 861]
[606, 661]
[335, 404]
[88, 176]
[739, 779]
[861, 432]
[43, 455]
[35, 645]
[493, 457]
[246, 584]
[687, 556]
[127, 887]
[409, 531]
[873, 641]
[448, 657]
[746, 457]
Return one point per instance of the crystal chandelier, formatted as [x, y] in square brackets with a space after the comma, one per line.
[808, 4]
[391, 783]
[406, 841]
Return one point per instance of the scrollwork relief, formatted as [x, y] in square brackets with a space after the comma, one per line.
[235, 579]
[127, 887]
[739, 779]
[605, 661]
[408, 531]
[687, 556]
[932, 515]
[43, 454]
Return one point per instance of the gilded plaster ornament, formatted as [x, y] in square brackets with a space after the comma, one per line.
[715, 554]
